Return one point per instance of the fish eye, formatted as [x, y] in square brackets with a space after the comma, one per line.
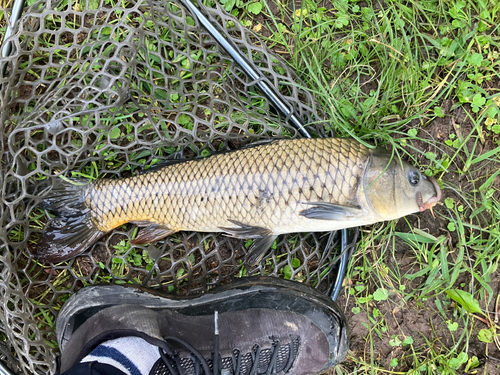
[414, 178]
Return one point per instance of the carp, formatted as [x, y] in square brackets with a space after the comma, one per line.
[259, 192]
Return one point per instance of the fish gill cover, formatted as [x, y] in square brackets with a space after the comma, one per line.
[108, 89]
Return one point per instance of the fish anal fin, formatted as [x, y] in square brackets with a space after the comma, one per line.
[142, 223]
[331, 211]
[152, 233]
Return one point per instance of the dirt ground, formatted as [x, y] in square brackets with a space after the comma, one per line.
[422, 321]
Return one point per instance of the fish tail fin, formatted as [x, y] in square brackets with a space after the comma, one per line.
[72, 230]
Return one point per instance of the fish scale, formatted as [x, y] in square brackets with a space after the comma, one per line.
[259, 192]
[261, 186]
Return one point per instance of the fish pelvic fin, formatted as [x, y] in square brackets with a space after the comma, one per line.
[72, 231]
[263, 240]
[245, 231]
[331, 211]
[259, 249]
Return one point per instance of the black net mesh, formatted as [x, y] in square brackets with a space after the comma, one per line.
[97, 88]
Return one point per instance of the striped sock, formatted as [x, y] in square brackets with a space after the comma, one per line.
[132, 355]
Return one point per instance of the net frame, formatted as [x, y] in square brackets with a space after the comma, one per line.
[71, 101]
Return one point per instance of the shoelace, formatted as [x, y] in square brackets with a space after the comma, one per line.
[201, 365]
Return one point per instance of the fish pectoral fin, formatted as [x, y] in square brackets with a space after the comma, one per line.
[245, 231]
[152, 233]
[259, 248]
[331, 211]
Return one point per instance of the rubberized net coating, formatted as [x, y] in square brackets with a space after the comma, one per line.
[98, 89]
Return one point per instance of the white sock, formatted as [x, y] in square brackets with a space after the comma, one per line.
[132, 355]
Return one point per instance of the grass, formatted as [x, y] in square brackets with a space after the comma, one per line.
[396, 74]
[416, 77]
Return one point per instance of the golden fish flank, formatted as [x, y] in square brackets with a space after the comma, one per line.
[259, 192]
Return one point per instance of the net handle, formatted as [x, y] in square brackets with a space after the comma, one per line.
[17, 10]
[280, 103]
[271, 93]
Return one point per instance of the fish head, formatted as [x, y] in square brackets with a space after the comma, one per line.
[395, 189]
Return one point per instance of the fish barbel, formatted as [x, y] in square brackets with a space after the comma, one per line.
[260, 192]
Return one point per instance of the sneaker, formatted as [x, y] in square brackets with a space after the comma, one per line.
[256, 325]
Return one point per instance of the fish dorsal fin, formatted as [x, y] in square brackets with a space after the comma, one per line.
[176, 158]
[331, 211]
[262, 142]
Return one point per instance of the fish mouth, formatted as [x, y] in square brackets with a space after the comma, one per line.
[431, 202]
